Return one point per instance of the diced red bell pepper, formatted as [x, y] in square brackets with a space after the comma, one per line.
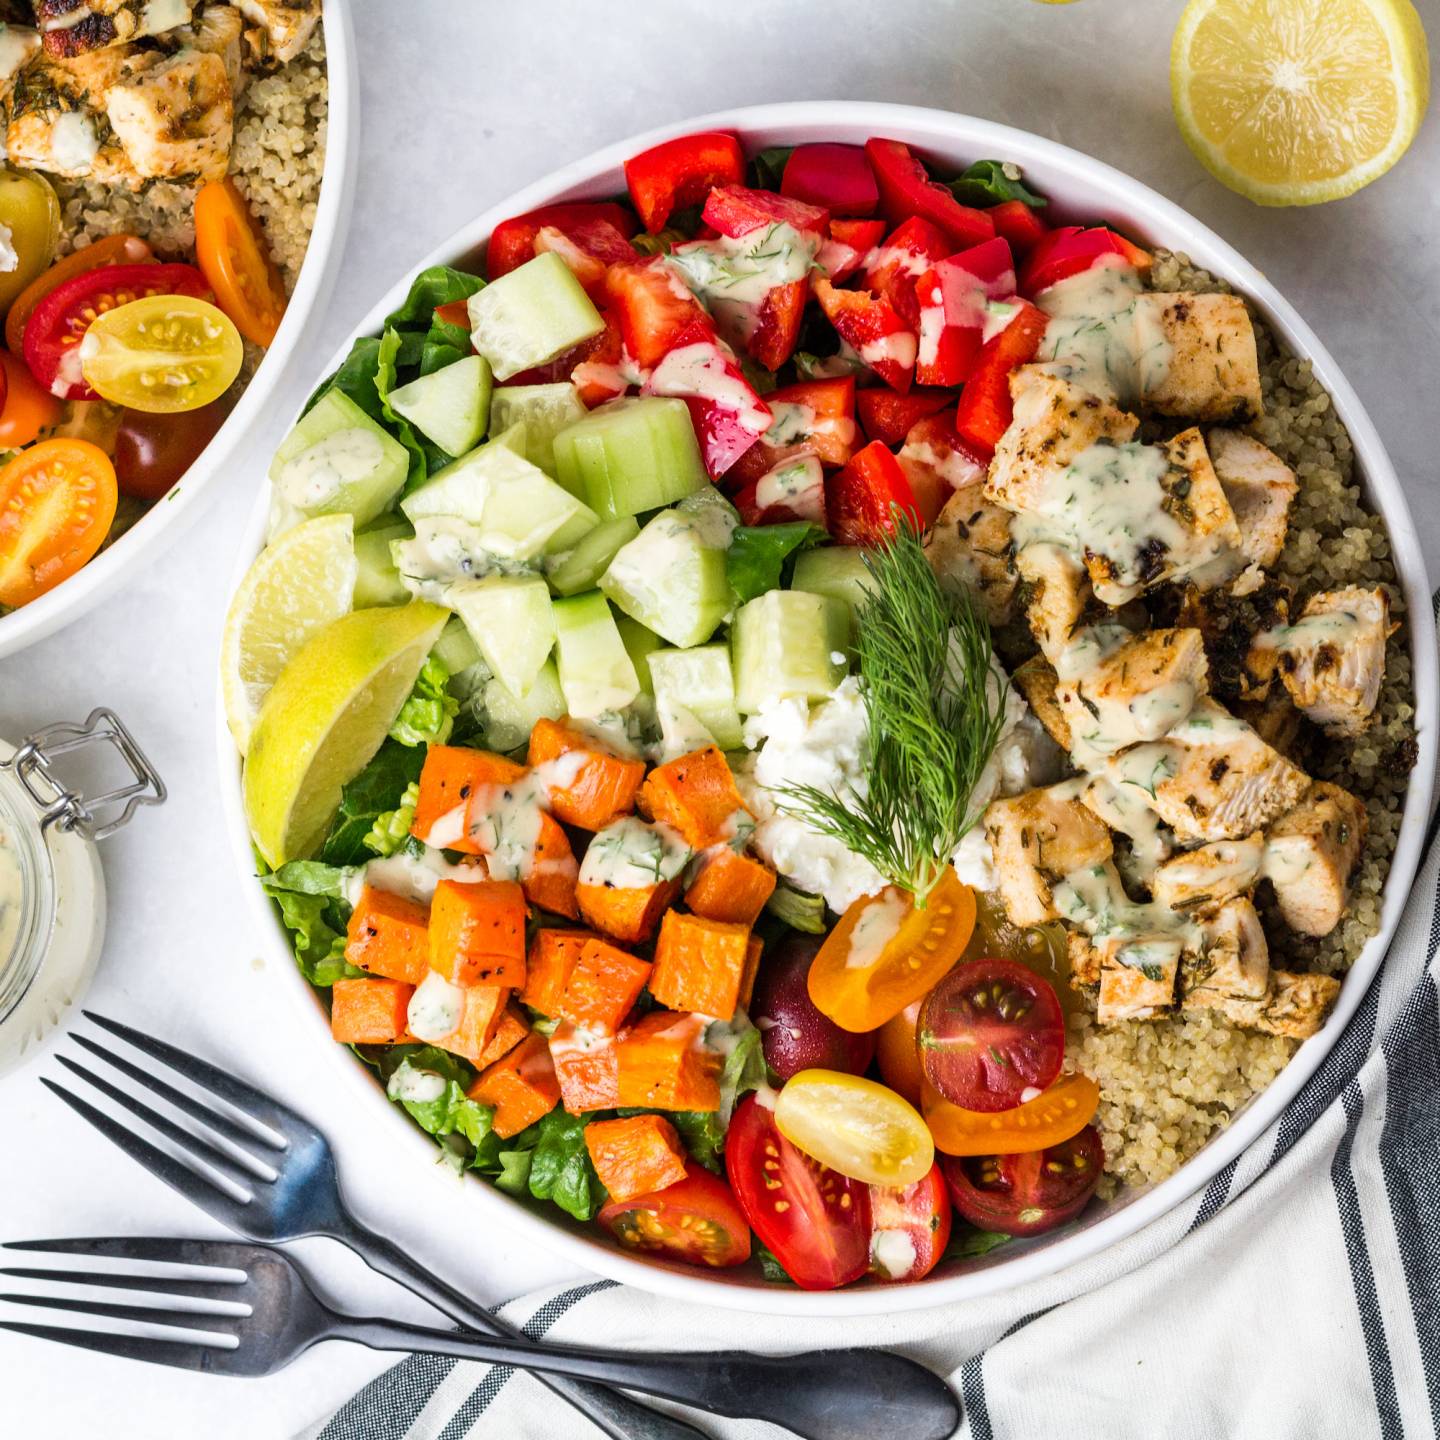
[985, 410]
[767, 502]
[777, 329]
[729, 416]
[653, 307]
[861, 499]
[1071, 249]
[588, 249]
[454, 312]
[906, 189]
[889, 418]
[850, 242]
[953, 299]
[512, 242]
[681, 172]
[835, 176]
[1018, 223]
[936, 463]
[892, 269]
[872, 329]
[815, 415]
[605, 348]
[735, 210]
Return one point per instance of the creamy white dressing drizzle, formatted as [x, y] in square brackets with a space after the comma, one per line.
[436, 1008]
[704, 371]
[316, 475]
[798, 484]
[878, 925]
[12, 895]
[413, 876]
[734, 275]
[629, 854]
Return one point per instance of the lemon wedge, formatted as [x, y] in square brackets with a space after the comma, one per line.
[325, 718]
[1291, 102]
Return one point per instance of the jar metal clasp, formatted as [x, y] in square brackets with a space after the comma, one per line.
[93, 817]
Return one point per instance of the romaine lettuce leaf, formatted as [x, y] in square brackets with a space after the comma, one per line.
[391, 829]
[379, 787]
[756, 558]
[312, 906]
[989, 182]
[423, 1069]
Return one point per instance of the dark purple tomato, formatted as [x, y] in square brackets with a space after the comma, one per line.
[796, 1036]
[152, 452]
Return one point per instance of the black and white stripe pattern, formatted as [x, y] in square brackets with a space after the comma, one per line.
[1297, 1296]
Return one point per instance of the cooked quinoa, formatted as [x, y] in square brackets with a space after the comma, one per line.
[1166, 1086]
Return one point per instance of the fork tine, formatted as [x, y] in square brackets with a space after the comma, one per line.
[156, 1284]
[147, 1314]
[254, 1103]
[216, 1158]
[203, 1254]
[194, 1185]
[186, 1356]
[238, 1135]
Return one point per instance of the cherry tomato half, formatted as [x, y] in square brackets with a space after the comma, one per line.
[909, 1227]
[57, 501]
[898, 1055]
[27, 409]
[153, 451]
[887, 952]
[795, 1035]
[990, 1031]
[815, 1221]
[1030, 1193]
[60, 321]
[695, 1220]
[230, 248]
[1054, 1115]
[111, 250]
[855, 1126]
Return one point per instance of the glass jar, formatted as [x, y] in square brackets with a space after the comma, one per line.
[52, 890]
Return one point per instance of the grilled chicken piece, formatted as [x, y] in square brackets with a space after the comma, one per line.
[1036, 681]
[1128, 813]
[1084, 959]
[969, 546]
[1295, 1006]
[1210, 875]
[1137, 976]
[77, 27]
[1310, 857]
[19, 45]
[215, 31]
[284, 27]
[1274, 719]
[1229, 618]
[1332, 659]
[1143, 687]
[177, 120]
[1040, 837]
[1259, 486]
[1059, 592]
[1214, 373]
[1211, 778]
[1229, 970]
[1054, 423]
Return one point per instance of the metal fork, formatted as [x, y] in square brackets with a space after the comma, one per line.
[291, 1190]
[273, 1316]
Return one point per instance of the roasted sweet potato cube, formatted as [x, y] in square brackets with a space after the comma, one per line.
[553, 954]
[477, 933]
[630, 915]
[731, 887]
[507, 1027]
[389, 935]
[586, 1068]
[635, 1155]
[752, 969]
[696, 795]
[449, 778]
[370, 1012]
[661, 1064]
[593, 788]
[521, 1086]
[699, 964]
[604, 986]
[550, 881]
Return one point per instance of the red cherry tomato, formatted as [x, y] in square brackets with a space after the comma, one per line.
[59, 322]
[695, 1220]
[990, 1031]
[814, 1220]
[909, 1227]
[152, 452]
[1030, 1193]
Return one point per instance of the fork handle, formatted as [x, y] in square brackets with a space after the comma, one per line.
[617, 1415]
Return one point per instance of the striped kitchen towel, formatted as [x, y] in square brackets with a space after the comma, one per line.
[1297, 1296]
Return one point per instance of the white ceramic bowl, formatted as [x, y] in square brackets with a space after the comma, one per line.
[163, 523]
[1085, 188]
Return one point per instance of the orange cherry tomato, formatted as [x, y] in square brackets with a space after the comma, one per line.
[231, 251]
[28, 409]
[112, 250]
[57, 502]
[898, 1055]
[1062, 1110]
[886, 952]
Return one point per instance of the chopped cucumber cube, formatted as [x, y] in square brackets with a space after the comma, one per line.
[787, 642]
[839, 572]
[596, 672]
[450, 406]
[671, 577]
[378, 582]
[515, 506]
[531, 315]
[509, 719]
[631, 456]
[545, 410]
[338, 461]
[640, 644]
[455, 650]
[580, 568]
[702, 683]
[509, 618]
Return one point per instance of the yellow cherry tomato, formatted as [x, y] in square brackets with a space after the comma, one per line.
[856, 1126]
[886, 952]
[162, 354]
[1052, 1117]
[30, 211]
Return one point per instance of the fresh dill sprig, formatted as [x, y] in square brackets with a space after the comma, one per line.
[935, 707]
